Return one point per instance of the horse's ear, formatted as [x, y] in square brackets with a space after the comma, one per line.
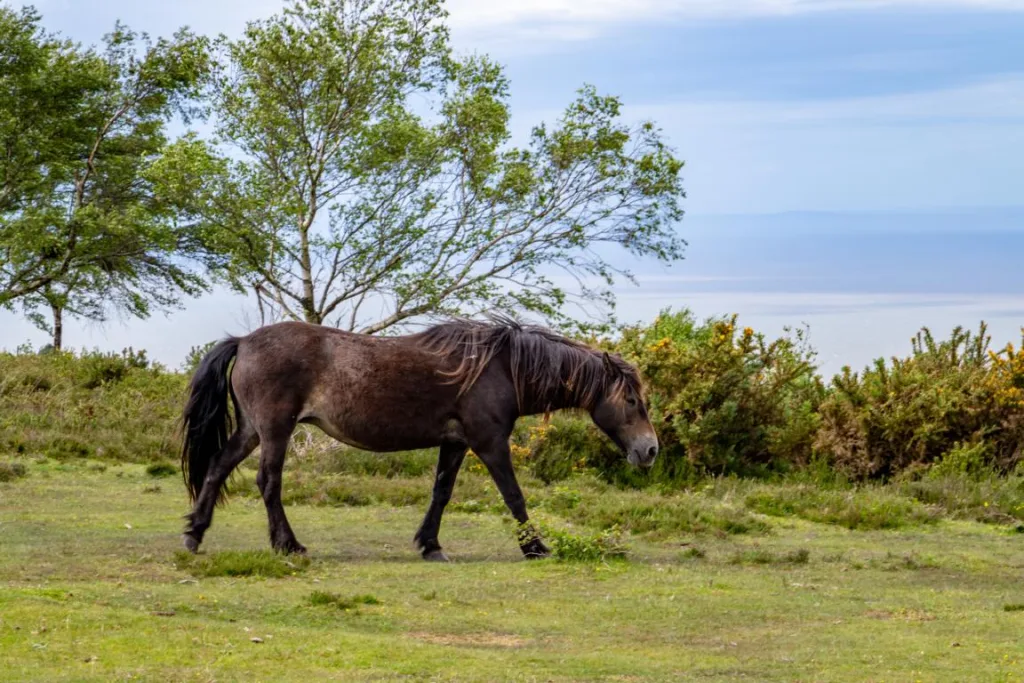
[609, 365]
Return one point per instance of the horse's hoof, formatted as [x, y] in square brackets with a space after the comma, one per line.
[436, 556]
[535, 550]
[291, 547]
[191, 544]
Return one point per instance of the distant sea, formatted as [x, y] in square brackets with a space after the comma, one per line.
[864, 283]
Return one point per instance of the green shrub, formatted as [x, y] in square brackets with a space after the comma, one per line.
[607, 544]
[953, 399]
[968, 460]
[63, 448]
[724, 400]
[96, 369]
[9, 471]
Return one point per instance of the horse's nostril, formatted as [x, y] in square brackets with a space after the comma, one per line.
[652, 452]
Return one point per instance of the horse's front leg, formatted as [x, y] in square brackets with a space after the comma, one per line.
[497, 457]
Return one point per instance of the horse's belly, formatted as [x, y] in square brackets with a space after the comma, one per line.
[367, 436]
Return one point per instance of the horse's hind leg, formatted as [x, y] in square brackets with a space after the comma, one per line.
[237, 449]
[268, 479]
[448, 464]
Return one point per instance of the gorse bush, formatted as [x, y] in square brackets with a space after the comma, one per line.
[725, 400]
[953, 403]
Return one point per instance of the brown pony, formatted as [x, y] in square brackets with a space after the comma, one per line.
[456, 386]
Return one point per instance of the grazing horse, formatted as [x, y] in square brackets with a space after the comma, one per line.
[455, 386]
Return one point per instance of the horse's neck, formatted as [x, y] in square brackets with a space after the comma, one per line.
[566, 394]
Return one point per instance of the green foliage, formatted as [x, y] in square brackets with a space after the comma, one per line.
[964, 459]
[602, 546]
[96, 369]
[258, 563]
[724, 400]
[950, 402]
[82, 228]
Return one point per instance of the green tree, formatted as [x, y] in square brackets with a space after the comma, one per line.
[362, 176]
[82, 230]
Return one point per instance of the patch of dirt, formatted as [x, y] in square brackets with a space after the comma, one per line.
[902, 614]
[472, 639]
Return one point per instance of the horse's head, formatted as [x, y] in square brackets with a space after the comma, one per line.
[621, 414]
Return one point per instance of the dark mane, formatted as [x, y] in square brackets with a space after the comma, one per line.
[548, 369]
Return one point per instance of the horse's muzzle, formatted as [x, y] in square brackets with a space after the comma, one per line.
[643, 454]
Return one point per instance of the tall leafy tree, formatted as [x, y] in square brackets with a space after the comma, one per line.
[363, 176]
[82, 230]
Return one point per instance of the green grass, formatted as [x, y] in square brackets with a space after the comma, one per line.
[262, 563]
[326, 599]
[865, 508]
[92, 587]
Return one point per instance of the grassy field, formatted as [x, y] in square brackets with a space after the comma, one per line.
[93, 587]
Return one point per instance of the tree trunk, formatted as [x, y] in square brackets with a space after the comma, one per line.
[58, 326]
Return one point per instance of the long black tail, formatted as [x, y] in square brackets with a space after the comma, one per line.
[207, 422]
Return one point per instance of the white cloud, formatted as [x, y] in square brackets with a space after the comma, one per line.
[578, 19]
[952, 147]
[990, 102]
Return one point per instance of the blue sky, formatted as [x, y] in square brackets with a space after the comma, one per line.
[857, 148]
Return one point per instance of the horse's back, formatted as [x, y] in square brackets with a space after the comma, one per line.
[377, 393]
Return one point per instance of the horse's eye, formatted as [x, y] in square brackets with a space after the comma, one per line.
[631, 401]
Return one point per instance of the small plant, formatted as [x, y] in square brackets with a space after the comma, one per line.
[602, 546]
[693, 553]
[763, 556]
[964, 460]
[260, 563]
[911, 562]
[9, 471]
[96, 369]
[63, 448]
[161, 469]
[326, 599]
[1014, 607]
